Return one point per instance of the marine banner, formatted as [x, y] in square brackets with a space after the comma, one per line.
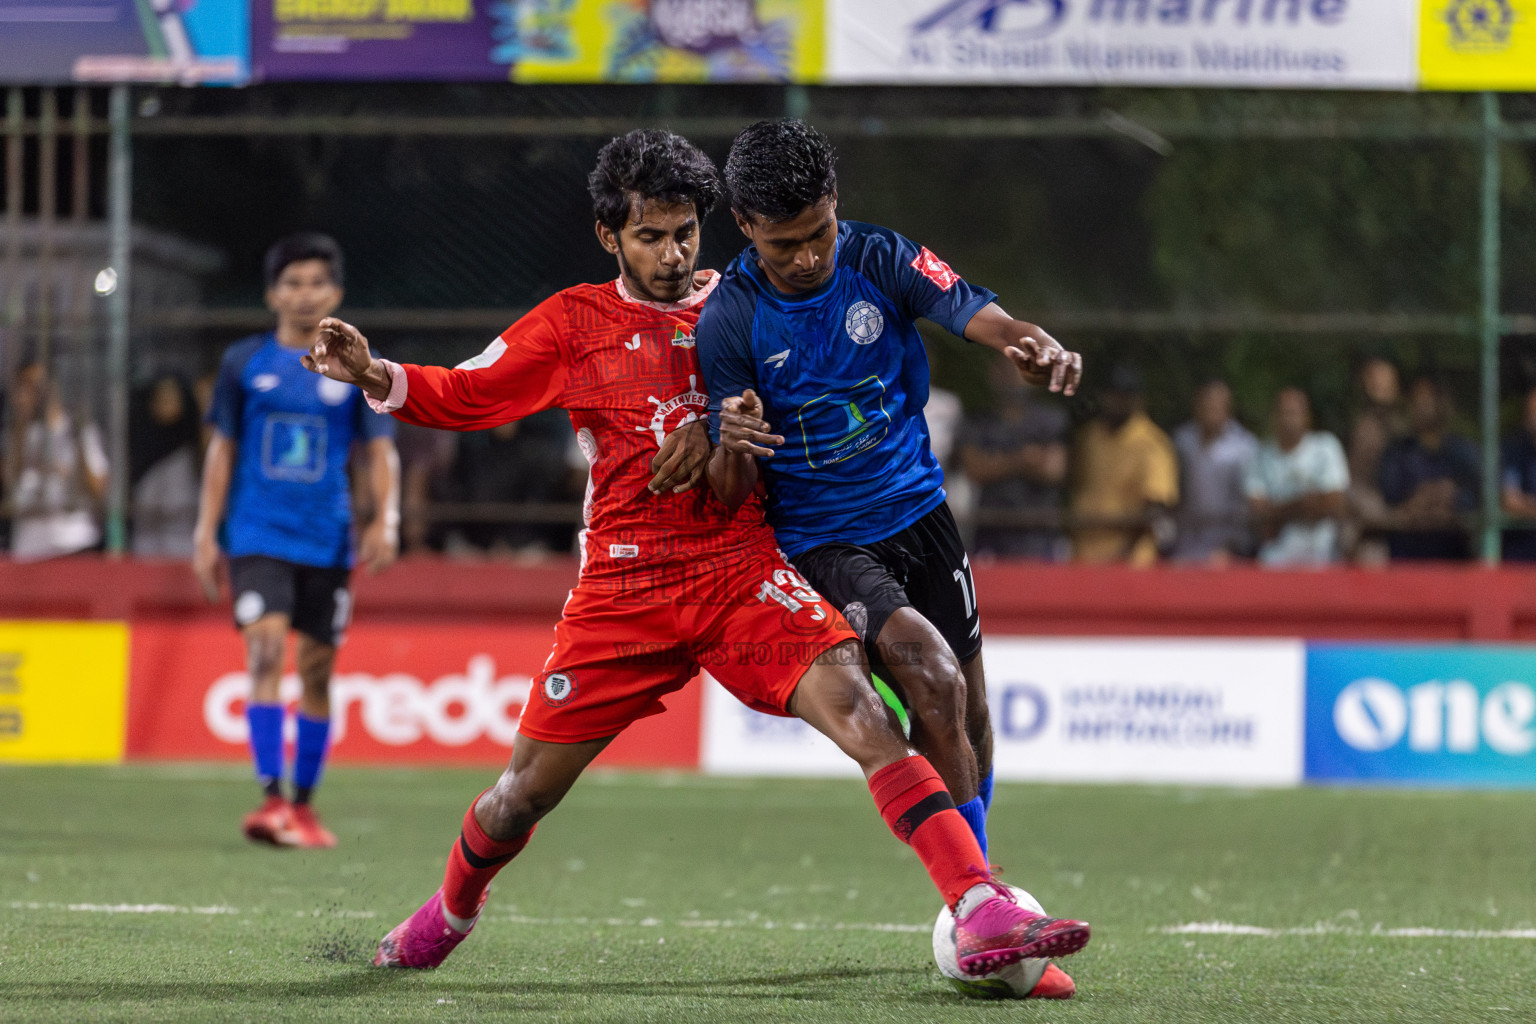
[188, 42]
[1233, 43]
[63, 688]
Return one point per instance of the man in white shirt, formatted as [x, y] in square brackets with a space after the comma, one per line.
[1215, 455]
[1296, 488]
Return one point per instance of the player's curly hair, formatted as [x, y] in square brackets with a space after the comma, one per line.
[778, 168]
[306, 245]
[649, 163]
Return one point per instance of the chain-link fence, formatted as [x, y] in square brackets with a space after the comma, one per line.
[1266, 239]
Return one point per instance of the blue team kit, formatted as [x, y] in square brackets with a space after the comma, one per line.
[289, 497]
[843, 376]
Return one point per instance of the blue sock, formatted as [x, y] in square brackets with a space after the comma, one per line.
[985, 791]
[266, 722]
[309, 756]
[975, 815]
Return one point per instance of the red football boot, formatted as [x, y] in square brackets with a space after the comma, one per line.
[269, 822]
[305, 831]
[1053, 984]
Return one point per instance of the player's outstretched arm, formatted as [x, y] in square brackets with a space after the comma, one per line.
[744, 438]
[1040, 358]
[341, 353]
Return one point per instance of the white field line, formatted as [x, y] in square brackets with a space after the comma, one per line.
[1190, 928]
[124, 908]
[1228, 928]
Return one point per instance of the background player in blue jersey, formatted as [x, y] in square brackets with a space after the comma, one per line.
[817, 379]
[275, 477]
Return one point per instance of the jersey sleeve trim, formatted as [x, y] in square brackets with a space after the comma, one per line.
[399, 384]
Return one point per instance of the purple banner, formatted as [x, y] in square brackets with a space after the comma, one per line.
[381, 40]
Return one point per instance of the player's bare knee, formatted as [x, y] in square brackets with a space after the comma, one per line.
[937, 693]
[263, 654]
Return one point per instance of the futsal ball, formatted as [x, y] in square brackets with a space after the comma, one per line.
[1012, 982]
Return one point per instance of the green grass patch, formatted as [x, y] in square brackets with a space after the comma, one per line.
[678, 898]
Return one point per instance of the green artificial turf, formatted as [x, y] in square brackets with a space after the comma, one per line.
[678, 898]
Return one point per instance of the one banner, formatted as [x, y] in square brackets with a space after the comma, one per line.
[191, 42]
[669, 41]
[63, 689]
[375, 40]
[1226, 712]
[1421, 715]
[1242, 43]
[1477, 44]
[401, 693]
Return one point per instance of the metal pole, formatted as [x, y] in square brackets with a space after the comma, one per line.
[1488, 317]
[119, 228]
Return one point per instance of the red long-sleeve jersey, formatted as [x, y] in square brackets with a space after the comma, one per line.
[628, 373]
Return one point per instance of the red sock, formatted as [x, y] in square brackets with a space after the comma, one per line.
[473, 862]
[914, 803]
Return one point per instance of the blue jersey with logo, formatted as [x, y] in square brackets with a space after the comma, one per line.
[289, 496]
[844, 378]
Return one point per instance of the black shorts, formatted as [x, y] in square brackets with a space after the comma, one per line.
[316, 601]
[923, 567]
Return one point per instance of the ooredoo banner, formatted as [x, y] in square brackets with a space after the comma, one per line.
[413, 692]
[1242, 43]
[1225, 712]
[1422, 714]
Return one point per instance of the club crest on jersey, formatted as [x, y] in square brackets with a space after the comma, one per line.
[682, 338]
[693, 400]
[935, 270]
[558, 688]
[864, 322]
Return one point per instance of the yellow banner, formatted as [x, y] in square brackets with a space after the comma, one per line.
[63, 691]
[669, 41]
[1477, 44]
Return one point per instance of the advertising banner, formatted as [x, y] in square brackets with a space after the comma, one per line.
[1242, 43]
[1224, 712]
[1421, 715]
[191, 42]
[669, 41]
[539, 40]
[377, 40]
[401, 693]
[1477, 44]
[63, 688]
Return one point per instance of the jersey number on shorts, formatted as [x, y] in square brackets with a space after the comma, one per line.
[794, 593]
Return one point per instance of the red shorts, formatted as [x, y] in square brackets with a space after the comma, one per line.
[754, 624]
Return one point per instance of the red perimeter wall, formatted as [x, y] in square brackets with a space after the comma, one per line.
[1419, 603]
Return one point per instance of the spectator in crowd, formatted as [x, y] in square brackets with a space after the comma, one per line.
[55, 471]
[1518, 490]
[1377, 419]
[516, 463]
[1125, 477]
[1296, 488]
[426, 457]
[1429, 479]
[164, 449]
[1215, 452]
[1016, 459]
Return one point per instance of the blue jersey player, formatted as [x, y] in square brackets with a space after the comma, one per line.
[275, 477]
[817, 379]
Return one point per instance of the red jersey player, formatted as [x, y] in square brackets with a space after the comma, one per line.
[671, 579]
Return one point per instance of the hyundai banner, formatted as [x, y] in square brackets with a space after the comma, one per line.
[1224, 712]
[1244, 43]
[1422, 715]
